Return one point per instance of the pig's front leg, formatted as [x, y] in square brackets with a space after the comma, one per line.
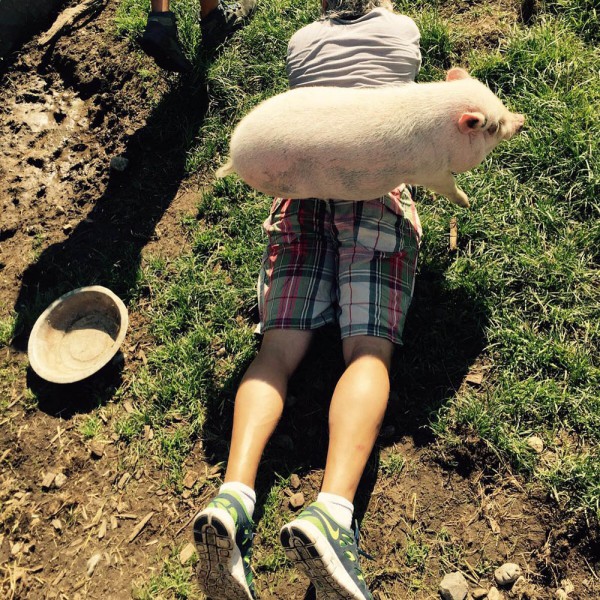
[445, 185]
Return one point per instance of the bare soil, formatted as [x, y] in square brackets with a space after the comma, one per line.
[68, 220]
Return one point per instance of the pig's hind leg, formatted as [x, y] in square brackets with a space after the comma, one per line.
[445, 185]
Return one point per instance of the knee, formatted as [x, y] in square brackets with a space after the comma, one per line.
[284, 349]
[365, 345]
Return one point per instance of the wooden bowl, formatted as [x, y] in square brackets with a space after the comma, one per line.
[77, 334]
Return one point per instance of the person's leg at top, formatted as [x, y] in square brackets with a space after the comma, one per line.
[218, 20]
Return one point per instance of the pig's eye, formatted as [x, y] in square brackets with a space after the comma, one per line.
[493, 128]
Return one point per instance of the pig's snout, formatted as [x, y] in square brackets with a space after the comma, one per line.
[516, 124]
[519, 122]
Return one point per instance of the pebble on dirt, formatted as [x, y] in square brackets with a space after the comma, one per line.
[60, 480]
[297, 500]
[454, 587]
[536, 444]
[48, 480]
[506, 574]
[97, 449]
[479, 593]
[294, 481]
[494, 594]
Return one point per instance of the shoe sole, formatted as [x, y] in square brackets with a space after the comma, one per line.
[218, 557]
[310, 551]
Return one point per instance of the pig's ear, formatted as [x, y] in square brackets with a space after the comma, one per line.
[456, 73]
[471, 121]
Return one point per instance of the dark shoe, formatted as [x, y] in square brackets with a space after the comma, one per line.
[161, 42]
[223, 536]
[223, 21]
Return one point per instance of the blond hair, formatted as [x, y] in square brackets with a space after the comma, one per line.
[348, 9]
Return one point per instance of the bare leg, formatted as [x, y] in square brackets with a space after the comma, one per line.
[160, 5]
[207, 6]
[260, 398]
[356, 412]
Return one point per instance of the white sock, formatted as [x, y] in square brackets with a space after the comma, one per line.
[245, 492]
[339, 508]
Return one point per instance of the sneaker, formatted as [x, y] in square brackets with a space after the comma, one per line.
[225, 19]
[161, 42]
[326, 552]
[223, 537]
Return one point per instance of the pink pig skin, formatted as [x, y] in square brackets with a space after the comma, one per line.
[360, 143]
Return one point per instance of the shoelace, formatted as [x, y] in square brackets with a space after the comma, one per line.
[356, 538]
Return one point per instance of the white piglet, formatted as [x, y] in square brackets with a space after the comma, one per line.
[360, 143]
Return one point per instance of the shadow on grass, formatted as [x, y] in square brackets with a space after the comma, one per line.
[444, 335]
[105, 247]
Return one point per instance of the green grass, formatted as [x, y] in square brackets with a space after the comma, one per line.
[90, 427]
[526, 271]
[172, 580]
[7, 330]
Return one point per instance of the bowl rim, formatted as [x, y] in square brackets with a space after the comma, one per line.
[48, 374]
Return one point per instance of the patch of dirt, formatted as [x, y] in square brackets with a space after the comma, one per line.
[68, 220]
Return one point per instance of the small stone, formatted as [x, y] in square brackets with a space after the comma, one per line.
[186, 553]
[294, 481]
[48, 480]
[297, 500]
[186, 494]
[16, 548]
[454, 587]
[190, 479]
[56, 523]
[560, 594]
[479, 593]
[535, 443]
[119, 163]
[97, 449]
[60, 480]
[506, 574]
[567, 585]
[494, 594]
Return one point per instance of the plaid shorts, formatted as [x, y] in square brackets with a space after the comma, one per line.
[350, 262]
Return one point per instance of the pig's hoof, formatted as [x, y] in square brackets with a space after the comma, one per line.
[461, 199]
